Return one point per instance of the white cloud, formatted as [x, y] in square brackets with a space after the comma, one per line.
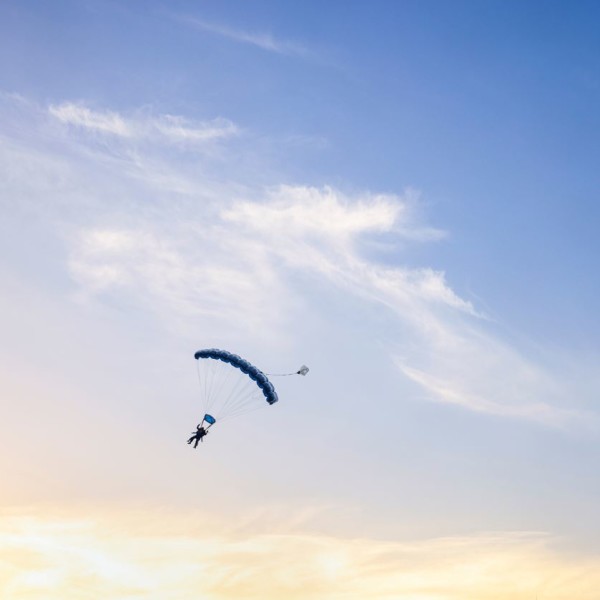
[166, 128]
[301, 210]
[325, 231]
[264, 41]
[181, 274]
[459, 394]
[247, 249]
[81, 116]
[177, 128]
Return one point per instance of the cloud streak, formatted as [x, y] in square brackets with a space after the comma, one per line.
[264, 41]
[165, 128]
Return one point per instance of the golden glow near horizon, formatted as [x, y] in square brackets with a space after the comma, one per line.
[159, 556]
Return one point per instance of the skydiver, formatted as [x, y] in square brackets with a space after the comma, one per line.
[198, 435]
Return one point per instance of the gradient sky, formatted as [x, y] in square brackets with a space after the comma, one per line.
[403, 196]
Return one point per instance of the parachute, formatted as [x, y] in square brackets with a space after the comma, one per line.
[231, 386]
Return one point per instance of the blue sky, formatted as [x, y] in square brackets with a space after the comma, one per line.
[401, 195]
[488, 109]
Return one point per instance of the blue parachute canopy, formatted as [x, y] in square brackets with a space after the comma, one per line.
[245, 367]
[209, 419]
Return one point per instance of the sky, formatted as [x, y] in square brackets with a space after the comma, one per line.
[402, 196]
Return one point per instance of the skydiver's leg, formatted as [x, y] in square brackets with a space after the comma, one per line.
[196, 444]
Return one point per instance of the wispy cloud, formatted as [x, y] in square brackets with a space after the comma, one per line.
[264, 41]
[170, 128]
[81, 116]
[202, 274]
[157, 556]
[222, 241]
[456, 393]
[249, 249]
